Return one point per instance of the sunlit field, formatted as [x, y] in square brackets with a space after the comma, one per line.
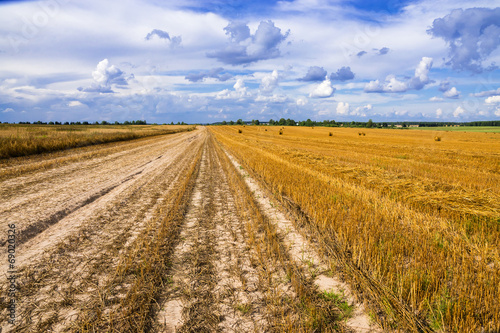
[21, 140]
[411, 217]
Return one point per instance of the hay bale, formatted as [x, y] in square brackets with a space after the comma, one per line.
[240, 131]
[437, 138]
[330, 134]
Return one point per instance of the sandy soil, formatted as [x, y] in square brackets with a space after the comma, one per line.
[73, 221]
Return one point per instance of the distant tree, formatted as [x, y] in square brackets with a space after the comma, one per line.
[231, 122]
[271, 122]
[369, 124]
[239, 122]
[309, 122]
[257, 122]
[171, 123]
[224, 122]
[282, 122]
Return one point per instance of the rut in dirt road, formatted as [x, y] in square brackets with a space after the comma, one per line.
[214, 286]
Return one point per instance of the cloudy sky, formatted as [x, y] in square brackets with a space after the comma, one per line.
[207, 61]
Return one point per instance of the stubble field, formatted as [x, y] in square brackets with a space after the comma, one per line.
[216, 230]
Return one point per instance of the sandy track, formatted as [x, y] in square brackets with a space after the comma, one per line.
[213, 284]
[73, 221]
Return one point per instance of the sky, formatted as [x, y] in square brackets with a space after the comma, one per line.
[209, 61]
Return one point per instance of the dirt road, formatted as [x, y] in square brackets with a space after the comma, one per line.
[159, 234]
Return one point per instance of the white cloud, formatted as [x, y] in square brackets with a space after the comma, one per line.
[240, 92]
[452, 93]
[492, 100]
[393, 85]
[105, 76]
[435, 99]
[343, 108]
[458, 112]
[75, 103]
[439, 113]
[323, 90]
[8, 110]
[301, 101]
[497, 112]
[269, 83]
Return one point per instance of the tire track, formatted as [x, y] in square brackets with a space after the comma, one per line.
[213, 284]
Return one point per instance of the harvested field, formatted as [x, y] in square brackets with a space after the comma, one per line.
[159, 234]
[22, 140]
[410, 223]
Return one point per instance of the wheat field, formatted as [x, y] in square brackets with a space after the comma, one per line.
[412, 222]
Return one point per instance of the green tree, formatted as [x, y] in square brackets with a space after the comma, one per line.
[369, 124]
[239, 122]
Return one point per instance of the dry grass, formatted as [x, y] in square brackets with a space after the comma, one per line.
[23, 140]
[415, 226]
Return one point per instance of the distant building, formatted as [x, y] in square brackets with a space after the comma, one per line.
[398, 126]
[414, 125]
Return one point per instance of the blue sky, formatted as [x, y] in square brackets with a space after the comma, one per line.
[208, 61]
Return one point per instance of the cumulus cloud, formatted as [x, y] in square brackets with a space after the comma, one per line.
[458, 112]
[361, 53]
[7, 110]
[342, 74]
[393, 85]
[361, 110]
[104, 77]
[314, 73]
[452, 93]
[383, 51]
[343, 108]
[175, 40]
[323, 90]
[301, 101]
[492, 100]
[435, 99]
[471, 34]
[213, 73]
[269, 83]
[240, 92]
[439, 113]
[245, 48]
[421, 77]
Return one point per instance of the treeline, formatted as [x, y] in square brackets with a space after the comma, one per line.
[369, 123]
[104, 122]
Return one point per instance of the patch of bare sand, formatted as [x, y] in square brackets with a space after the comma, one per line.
[303, 251]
